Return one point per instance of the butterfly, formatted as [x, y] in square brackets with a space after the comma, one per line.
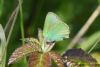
[54, 28]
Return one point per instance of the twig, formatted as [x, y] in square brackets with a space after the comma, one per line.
[82, 31]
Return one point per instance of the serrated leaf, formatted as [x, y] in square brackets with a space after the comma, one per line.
[79, 57]
[39, 60]
[22, 51]
[57, 58]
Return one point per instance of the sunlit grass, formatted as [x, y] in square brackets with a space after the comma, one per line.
[3, 47]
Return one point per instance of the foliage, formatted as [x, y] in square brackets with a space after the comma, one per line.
[3, 47]
[74, 13]
[41, 47]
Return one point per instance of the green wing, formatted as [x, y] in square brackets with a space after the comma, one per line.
[54, 28]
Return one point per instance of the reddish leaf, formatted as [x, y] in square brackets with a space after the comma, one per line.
[21, 51]
[39, 60]
[57, 58]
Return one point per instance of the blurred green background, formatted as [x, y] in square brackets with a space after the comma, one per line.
[73, 12]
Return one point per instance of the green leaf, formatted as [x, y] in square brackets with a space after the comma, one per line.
[3, 46]
[57, 58]
[22, 51]
[39, 60]
[88, 42]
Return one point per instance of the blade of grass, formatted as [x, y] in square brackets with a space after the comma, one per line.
[12, 26]
[22, 28]
[10, 22]
[94, 46]
[14, 14]
[8, 38]
[2, 47]
[21, 21]
[89, 41]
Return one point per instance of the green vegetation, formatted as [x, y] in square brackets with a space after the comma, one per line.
[21, 19]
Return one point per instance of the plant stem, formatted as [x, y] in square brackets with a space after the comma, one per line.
[21, 21]
[22, 27]
[10, 32]
[15, 13]
[12, 26]
[10, 21]
[86, 26]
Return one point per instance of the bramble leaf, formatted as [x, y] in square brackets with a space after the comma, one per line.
[78, 57]
[22, 51]
[39, 60]
[57, 58]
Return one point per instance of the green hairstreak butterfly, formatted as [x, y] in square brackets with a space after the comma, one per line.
[54, 28]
